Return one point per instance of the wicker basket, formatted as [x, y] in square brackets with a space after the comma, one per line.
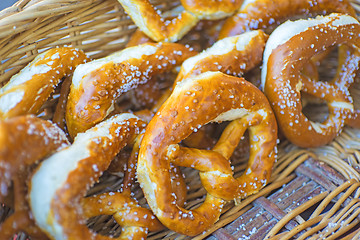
[313, 193]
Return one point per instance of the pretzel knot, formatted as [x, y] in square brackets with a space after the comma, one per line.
[28, 90]
[196, 101]
[56, 192]
[282, 79]
[262, 14]
[24, 141]
[147, 18]
[97, 84]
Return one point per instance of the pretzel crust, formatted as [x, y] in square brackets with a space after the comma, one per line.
[57, 206]
[196, 101]
[261, 14]
[147, 18]
[27, 91]
[283, 78]
[24, 141]
[233, 55]
[97, 84]
[205, 9]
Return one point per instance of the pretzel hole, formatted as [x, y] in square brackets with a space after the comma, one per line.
[355, 92]
[145, 95]
[46, 112]
[316, 112]
[326, 64]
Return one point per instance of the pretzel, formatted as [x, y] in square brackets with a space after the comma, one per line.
[196, 101]
[233, 55]
[97, 84]
[261, 14]
[147, 18]
[24, 141]
[55, 192]
[26, 91]
[282, 79]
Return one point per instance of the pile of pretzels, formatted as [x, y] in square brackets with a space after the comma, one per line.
[126, 112]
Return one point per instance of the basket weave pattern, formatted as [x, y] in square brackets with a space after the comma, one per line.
[313, 193]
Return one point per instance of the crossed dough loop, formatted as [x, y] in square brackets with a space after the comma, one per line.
[284, 58]
[196, 101]
[262, 14]
[97, 84]
[28, 90]
[56, 193]
[24, 141]
[147, 18]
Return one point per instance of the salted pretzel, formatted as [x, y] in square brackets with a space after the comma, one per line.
[97, 84]
[26, 91]
[147, 18]
[196, 101]
[233, 55]
[24, 141]
[262, 14]
[284, 58]
[56, 192]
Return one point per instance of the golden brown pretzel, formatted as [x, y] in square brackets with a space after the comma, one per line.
[147, 18]
[261, 14]
[233, 55]
[56, 192]
[26, 91]
[24, 141]
[284, 58]
[196, 101]
[97, 84]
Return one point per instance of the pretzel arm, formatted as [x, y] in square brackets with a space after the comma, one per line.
[324, 90]
[97, 84]
[27, 91]
[130, 171]
[152, 24]
[213, 10]
[232, 135]
[213, 167]
[262, 14]
[348, 65]
[177, 180]
[126, 211]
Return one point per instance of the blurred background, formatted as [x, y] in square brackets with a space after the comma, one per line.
[6, 3]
